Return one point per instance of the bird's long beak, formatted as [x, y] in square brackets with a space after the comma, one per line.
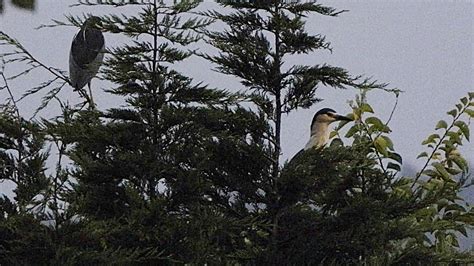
[342, 118]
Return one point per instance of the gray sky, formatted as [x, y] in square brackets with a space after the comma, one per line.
[419, 46]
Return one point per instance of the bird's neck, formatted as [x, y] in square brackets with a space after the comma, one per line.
[319, 136]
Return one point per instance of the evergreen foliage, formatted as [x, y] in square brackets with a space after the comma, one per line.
[186, 173]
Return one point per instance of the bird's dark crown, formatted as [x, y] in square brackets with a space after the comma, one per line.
[321, 112]
[325, 111]
[93, 22]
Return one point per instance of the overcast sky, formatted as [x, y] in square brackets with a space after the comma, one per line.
[421, 47]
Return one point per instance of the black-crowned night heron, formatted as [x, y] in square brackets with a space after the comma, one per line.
[293, 180]
[87, 53]
[320, 130]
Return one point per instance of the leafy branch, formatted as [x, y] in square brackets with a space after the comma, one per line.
[374, 130]
[448, 142]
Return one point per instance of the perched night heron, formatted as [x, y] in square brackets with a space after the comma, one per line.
[294, 177]
[87, 53]
[320, 131]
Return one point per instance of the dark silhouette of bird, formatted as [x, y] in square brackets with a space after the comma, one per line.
[87, 53]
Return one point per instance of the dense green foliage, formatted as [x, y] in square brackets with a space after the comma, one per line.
[185, 173]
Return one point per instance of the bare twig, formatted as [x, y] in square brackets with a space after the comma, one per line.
[12, 99]
[393, 110]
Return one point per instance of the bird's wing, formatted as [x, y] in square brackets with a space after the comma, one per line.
[87, 47]
[296, 159]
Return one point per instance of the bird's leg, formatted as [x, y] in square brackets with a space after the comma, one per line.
[91, 103]
[83, 93]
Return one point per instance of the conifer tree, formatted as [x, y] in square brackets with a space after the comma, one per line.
[161, 178]
[261, 35]
[22, 162]
[166, 177]
[336, 205]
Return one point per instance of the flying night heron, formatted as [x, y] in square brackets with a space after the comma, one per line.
[320, 131]
[86, 55]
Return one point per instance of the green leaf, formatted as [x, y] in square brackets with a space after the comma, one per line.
[441, 170]
[342, 123]
[465, 132]
[337, 142]
[354, 129]
[453, 113]
[460, 162]
[262, 233]
[431, 139]
[430, 173]
[357, 114]
[455, 207]
[463, 127]
[462, 230]
[433, 184]
[394, 166]
[402, 191]
[453, 240]
[421, 155]
[454, 137]
[459, 106]
[366, 108]
[381, 146]
[453, 171]
[471, 95]
[441, 124]
[377, 123]
[403, 181]
[464, 100]
[426, 212]
[467, 218]
[460, 124]
[389, 142]
[396, 157]
[470, 112]
[443, 202]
